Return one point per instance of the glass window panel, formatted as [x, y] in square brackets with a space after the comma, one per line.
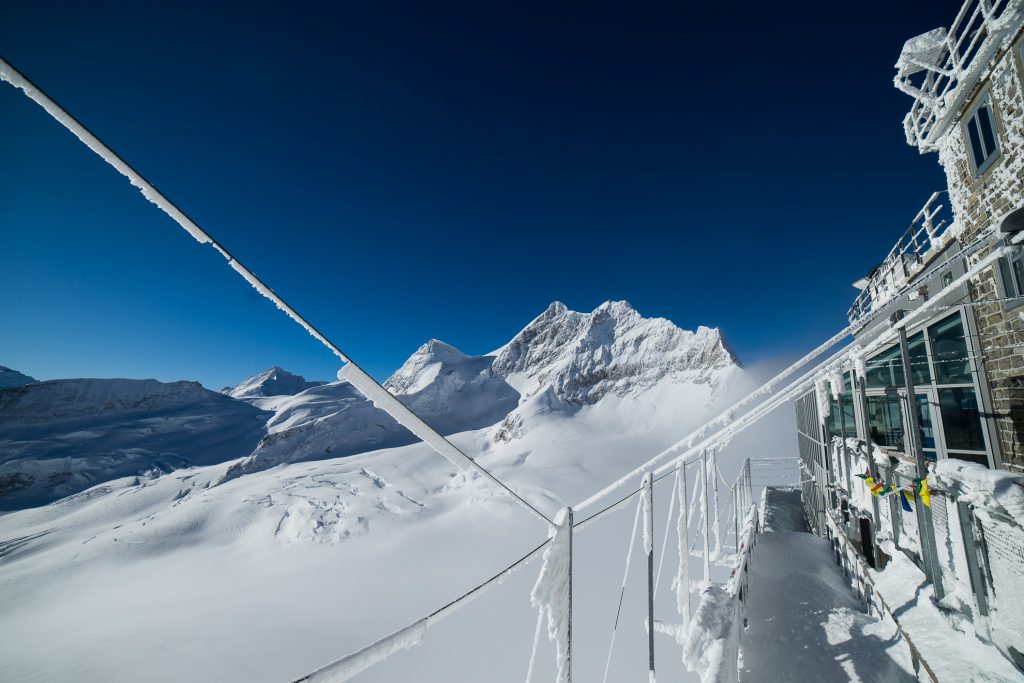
[949, 352]
[924, 422]
[885, 369]
[972, 132]
[918, 359]
[1006, 274]
[851, 419]
[833, 418]
[988, 135]
[979, 458]
[885, 420]
[961, 419]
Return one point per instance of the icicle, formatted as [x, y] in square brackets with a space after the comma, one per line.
[821, 393]
[536, 642]
[835, 382]
[550, 594]
[857, 359]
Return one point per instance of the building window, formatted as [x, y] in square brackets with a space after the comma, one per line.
[1011, 275]
[961, 421]
[950, 417]
[949, 352]
[982, 137]
[885, 420]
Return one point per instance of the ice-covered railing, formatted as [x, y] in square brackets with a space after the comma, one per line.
[939, 68]
[927, 235]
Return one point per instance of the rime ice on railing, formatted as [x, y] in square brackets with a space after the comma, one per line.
[927, 235]
[939, 68]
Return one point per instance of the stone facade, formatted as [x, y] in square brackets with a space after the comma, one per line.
[979, 204]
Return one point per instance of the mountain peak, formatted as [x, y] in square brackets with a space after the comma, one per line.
[424, 366]
[616, 307]
[13, 378]
[274, 381]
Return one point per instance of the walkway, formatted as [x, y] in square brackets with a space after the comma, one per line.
[804, 623]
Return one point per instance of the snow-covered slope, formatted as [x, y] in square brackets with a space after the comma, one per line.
[13, 378]
[266, 576]
[272, 382]
[62, 436]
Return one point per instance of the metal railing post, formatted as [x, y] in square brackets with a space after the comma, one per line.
[844, 465]
[707, 517]
[649, 535]
[714, 502]
[750, 485]
[862, 397]
[568, 645]
[971, 551]
[924, 512]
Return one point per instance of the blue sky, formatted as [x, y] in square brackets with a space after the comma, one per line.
[403, 171]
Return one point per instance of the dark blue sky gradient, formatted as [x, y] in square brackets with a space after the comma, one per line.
[406, 171]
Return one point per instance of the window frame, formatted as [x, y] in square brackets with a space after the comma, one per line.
[1005, 265]
[983, 102]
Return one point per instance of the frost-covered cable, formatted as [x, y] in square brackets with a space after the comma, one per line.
[622, 592]
[668, 528]
[353, 373]
[354, 664]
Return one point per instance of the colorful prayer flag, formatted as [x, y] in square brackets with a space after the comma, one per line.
[904, 502]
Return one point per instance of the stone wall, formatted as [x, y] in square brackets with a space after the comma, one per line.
[980, 203]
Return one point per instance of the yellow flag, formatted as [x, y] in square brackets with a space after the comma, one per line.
[926, 495]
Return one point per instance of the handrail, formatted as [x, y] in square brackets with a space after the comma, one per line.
[939, 68]
[927, 235]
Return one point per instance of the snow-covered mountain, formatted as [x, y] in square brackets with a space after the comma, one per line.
[561, 361]
[451, 391]
[583, 357]
[62, 436]
[274, 381]
[13, 378]
[299, 556]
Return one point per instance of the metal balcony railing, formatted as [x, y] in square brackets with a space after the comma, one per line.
[939, 68]
[927, 235]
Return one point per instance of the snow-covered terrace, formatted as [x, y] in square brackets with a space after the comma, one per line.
[940, 68]
[926, 237]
